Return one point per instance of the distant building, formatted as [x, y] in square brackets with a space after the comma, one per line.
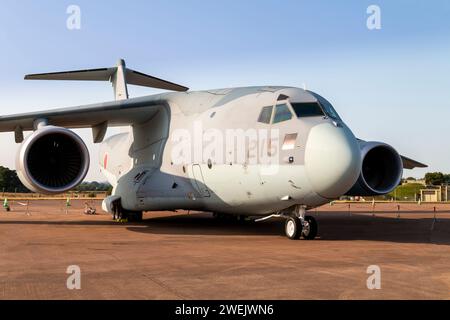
[435, 193]
[416, 181]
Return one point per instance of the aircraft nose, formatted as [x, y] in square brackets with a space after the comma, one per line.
[332, 160]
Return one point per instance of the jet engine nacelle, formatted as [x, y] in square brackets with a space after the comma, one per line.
[52, 160]
[381, 170]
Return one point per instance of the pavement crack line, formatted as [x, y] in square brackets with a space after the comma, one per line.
[164, 286]
[157, 282]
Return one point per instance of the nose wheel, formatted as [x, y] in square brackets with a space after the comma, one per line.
[298, 225]
[293, 228]
[309, 230]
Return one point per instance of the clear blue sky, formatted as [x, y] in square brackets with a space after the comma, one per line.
[390, 85]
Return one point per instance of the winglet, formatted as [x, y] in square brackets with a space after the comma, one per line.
[119, 76]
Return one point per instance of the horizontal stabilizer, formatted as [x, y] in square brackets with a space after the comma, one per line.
[103, 74]
[141, 79]
[119, 76]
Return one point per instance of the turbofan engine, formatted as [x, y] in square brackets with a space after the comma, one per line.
[52, 160]
[381, 170]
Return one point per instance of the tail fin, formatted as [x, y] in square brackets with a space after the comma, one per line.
[119, 76]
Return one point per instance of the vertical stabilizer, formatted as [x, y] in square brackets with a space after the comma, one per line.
[119, 82]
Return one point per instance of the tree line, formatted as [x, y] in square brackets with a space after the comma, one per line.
[437, 178]
[9, 182]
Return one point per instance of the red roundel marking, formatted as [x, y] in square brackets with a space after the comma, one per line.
[105, 160]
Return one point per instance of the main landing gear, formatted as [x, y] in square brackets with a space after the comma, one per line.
[299, 225]
[121, 214]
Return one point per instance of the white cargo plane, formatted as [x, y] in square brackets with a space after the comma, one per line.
[252, 152]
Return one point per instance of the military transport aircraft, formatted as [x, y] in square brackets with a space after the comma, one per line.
[251, 152]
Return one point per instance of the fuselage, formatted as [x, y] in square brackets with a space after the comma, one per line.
[251, 151]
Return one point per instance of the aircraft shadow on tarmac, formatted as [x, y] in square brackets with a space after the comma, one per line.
[332, 227]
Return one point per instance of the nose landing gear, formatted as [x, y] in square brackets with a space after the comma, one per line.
[309, 231]
[299, 225]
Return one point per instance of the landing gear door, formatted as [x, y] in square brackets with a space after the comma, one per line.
[198, 182]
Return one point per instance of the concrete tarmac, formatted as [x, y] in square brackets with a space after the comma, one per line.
[194, 256]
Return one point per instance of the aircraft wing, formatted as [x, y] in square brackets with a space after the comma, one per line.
[411, 164]
[114, 113]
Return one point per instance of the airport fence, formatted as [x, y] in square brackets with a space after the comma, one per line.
[72, 195]
[387, 207]
[65, 206]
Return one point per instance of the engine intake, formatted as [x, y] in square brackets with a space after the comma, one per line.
[52, 160]
[381, 170]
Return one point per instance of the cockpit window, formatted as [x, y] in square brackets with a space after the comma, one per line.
[307, 109]
[282, 113]
[265, 115]
[327, 107]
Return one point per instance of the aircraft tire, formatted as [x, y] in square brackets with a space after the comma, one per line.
[309, 231]
[293, 228]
